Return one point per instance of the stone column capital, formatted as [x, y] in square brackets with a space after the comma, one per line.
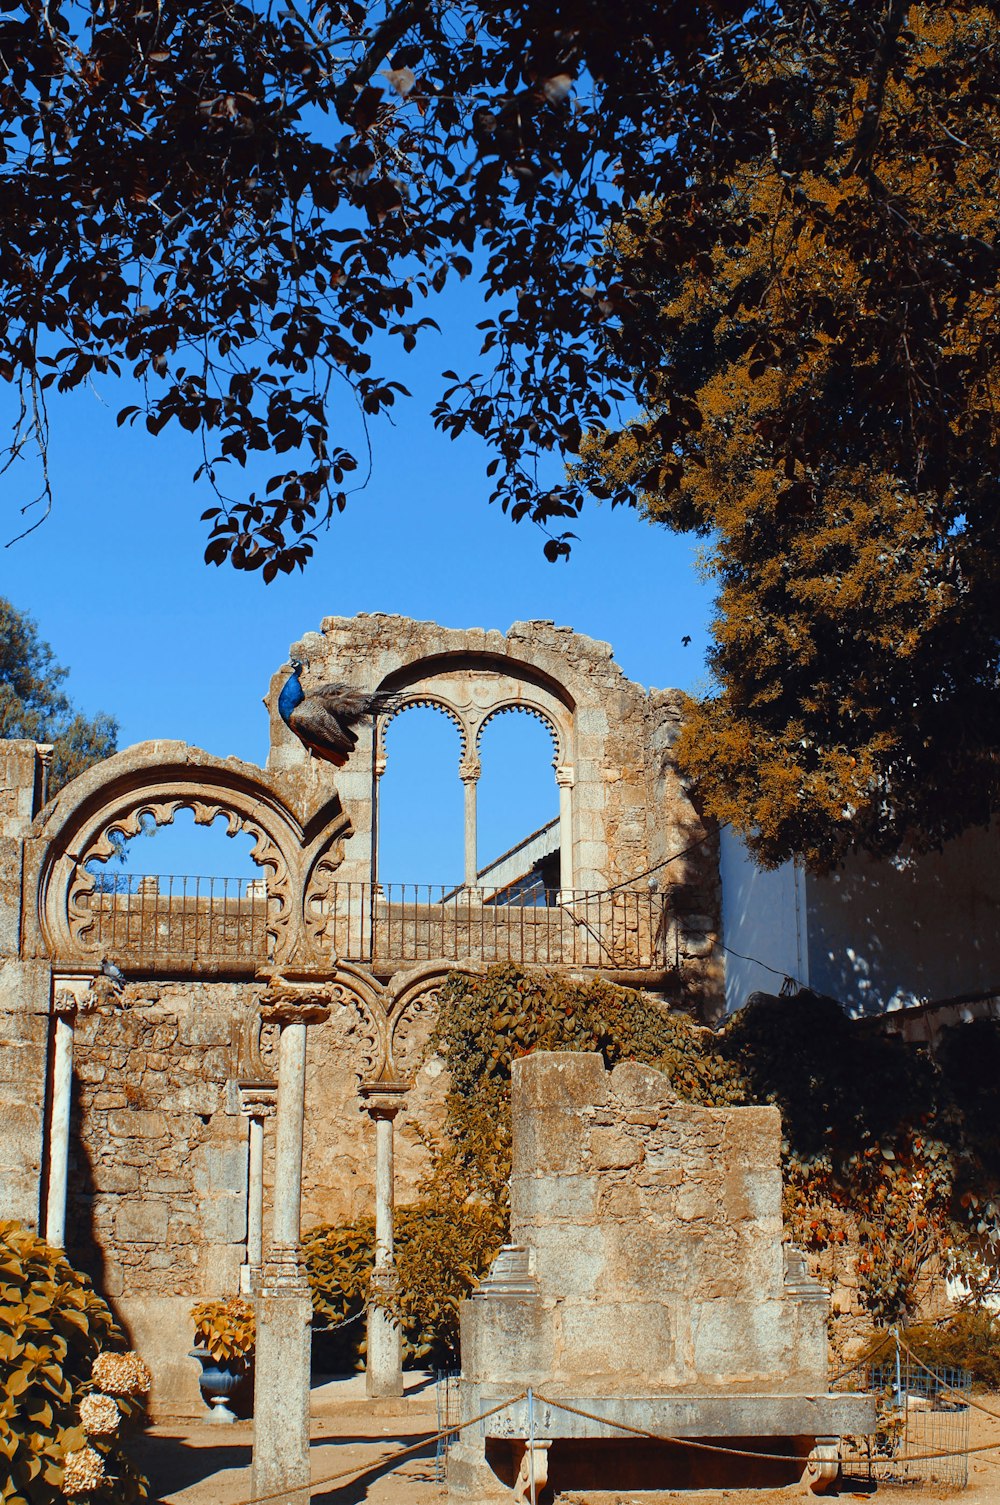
[565, 776]
[469, 769]
[83, 993]
[65, 1004]
[258, 1099]
[306, 1002]
[384, 1099]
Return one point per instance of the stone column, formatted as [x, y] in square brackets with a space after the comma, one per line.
[73, 995]
[284, 1309]
[257, 1103]
[564, 778]
[45, 751]
[469, 770]
[384, 1367]
[64, 1006]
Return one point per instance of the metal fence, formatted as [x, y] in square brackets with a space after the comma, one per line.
[446, 1405]
[195, 922]
[920, 1413]
[412, 922]
[177, 920]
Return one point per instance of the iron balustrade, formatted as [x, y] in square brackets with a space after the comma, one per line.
[177, 920]
[396, 923]
[203, 922]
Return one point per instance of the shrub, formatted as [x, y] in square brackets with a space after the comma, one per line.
[227, 1329]
[441, 1251]
[53, 1326]
[968, 1340]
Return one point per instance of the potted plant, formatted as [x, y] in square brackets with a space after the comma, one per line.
[225, 1332]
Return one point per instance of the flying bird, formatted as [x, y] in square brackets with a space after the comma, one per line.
[322, 718]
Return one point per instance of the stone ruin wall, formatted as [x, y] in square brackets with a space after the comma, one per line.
[631, 811]
[157, 1205]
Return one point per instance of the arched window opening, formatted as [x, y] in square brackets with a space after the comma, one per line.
[419, 801]
[181, 849]
[518, 811]
[178, 893]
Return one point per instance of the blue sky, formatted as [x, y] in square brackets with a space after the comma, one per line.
[176, 648]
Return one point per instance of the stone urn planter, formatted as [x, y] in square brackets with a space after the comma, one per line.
[219, 1380]
[225, 1335]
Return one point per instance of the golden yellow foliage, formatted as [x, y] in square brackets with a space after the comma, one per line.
[818, 338]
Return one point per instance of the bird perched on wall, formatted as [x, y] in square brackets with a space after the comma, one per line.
[322, 718]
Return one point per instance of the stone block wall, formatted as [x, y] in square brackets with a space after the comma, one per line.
[654, 1230]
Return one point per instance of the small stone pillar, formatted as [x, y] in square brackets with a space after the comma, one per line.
[64, 1007]
[257, 1103]
[72, 995]
[45, 751]
[564, 779]
[469, 770]
[283, 1304]
[384, 1367]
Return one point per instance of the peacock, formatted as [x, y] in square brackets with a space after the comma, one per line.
[322, 718]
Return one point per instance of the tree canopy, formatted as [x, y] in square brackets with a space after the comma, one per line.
[236, 202]
[817, 335]
[767, 228]
[33, 703]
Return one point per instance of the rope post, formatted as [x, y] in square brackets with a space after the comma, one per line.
[531, 1443]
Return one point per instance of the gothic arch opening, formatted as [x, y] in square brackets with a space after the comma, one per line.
[418, 800]
[518, 808]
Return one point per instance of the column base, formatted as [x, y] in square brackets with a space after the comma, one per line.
[281, 1386]
[384, 1366]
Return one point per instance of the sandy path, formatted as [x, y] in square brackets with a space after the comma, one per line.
[203, 1464]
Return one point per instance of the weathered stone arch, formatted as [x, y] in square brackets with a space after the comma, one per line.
[292, 823]
[433, 702]
[528, 708]
[413, 995]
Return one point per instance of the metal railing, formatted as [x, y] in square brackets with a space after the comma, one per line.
[181, 920]
[923, 1432]
[395, 923]
[198, 923]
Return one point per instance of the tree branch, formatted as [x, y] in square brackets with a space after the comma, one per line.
[864, 142]
[383, 41]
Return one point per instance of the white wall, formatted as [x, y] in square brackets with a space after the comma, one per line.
[875, 935]
[763, 917]
[888, 934]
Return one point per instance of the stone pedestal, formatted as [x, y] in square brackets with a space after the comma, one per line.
[384, 1368]
[283, 1305]
[281, 1385]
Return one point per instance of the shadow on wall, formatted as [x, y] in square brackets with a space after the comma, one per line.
[884, 935]
[83, 1246]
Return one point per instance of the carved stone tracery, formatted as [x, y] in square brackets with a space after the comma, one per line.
[265, 853]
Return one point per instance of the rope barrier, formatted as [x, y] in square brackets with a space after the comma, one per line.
[696, 1444]
[400, 1453]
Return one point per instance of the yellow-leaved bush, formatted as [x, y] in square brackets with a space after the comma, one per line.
[53, 1326]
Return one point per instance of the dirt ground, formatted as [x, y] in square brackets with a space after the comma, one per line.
[205, 1464]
